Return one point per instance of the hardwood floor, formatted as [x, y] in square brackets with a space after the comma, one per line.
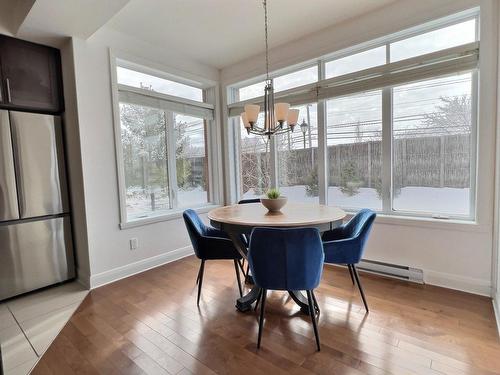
[149, 323]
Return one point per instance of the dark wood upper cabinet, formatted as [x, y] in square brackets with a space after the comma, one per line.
[31, 76]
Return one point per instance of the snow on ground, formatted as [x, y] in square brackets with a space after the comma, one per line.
[416, 199]
[139, 206]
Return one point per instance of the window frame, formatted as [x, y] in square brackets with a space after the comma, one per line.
[387, 112]
[212, 135]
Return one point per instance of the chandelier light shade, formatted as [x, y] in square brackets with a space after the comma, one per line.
[293, 116]
[281, 112]
[252, 113]
[244, 118]
[278, 118]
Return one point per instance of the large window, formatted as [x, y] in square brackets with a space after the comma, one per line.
[297, 154]
[144, 148]
[152, 83]
[432, 126]
[280, 83]
[254, 165]
[354, 141]
[396, 138]
[191, 161]
[295, 79]
[164, 146]
[442, 38]
[356, 62]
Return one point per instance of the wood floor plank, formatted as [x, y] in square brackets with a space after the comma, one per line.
[150, 324]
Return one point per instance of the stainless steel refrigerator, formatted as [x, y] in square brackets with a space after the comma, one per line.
[35, 228]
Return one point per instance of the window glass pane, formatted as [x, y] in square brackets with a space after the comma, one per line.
[432, 146]
[254, 163]
[354, 140]
[148, 82]
[298, 159]
[143, 135]
[191, 161]
[252, 91]
[281, 83]
[447, 37]
[295, 79]
[353, 63]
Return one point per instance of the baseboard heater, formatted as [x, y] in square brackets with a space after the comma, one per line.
[392, 270]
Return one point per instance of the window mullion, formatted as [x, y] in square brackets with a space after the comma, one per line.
[273, 153]
[473, 144]
[387, 150]
[211, 144]
[322, 143]
[171, 160]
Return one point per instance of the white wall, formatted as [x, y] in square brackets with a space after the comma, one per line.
[110, 256]
[496, 238]
[452, 255]
[74, 164]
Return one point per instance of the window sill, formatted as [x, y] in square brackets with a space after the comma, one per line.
[173, 215]
[429, 222]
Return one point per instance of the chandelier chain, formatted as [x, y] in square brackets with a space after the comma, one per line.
[267, 47]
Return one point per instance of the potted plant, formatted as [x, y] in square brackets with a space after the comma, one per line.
[273, 201]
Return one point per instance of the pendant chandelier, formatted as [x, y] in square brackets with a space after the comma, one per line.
[278, 118]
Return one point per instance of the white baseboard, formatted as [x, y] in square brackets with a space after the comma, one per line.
[464, 284]
[118, 273]
[496, 309]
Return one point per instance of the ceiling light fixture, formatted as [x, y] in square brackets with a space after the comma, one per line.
[278, 118]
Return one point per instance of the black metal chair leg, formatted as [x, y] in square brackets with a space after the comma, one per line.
[258, 300]
[313, 318]
[198, 276]
[200, 281]
[242, 266]
[261, 321]
[246, 273]
[236, 263]
[356, 275]
[350, 273]
[316, 305]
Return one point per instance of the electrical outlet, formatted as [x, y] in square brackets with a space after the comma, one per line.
[134, 243]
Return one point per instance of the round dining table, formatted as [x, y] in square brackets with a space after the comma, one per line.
[240, 219]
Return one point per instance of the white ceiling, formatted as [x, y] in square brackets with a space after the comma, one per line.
[220, 33]
[49, 20]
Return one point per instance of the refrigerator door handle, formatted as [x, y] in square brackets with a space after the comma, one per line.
[9, 209]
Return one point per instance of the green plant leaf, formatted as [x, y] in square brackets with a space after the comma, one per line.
[273, 193]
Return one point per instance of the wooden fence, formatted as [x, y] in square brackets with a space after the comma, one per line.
[442, 161]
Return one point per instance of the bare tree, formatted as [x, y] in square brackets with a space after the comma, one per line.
[255, 164]
[452, 117]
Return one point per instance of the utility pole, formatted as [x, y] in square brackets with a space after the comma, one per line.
[310, 137]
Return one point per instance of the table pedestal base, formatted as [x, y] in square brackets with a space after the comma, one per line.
[245, 303]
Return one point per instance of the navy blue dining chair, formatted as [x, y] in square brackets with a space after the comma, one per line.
[286, 259]
[346, 244]
[210, 244]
